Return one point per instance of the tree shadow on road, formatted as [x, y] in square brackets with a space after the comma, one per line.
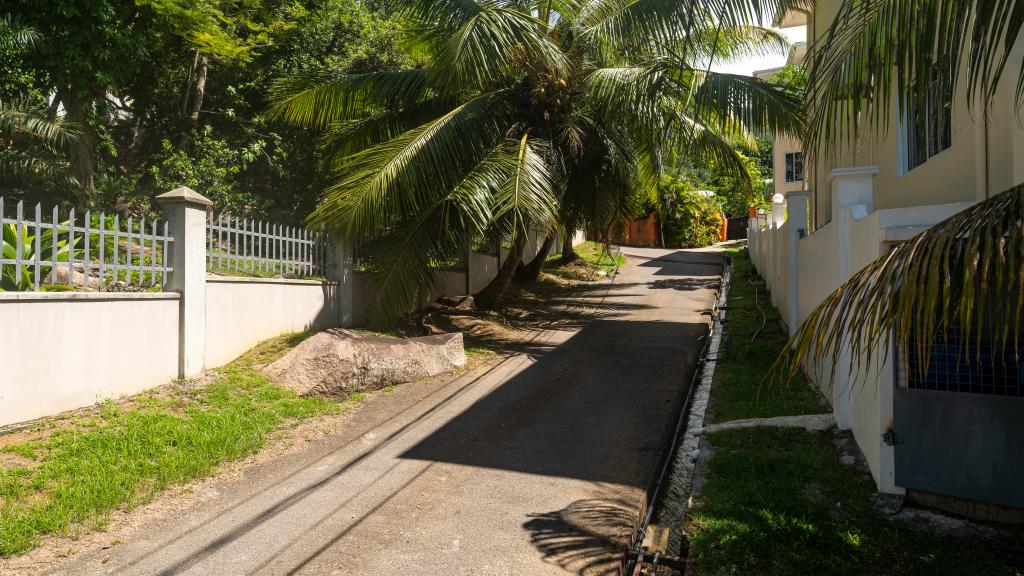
[587, 537]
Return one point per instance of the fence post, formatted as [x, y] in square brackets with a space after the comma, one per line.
[797, 206]
[341, 269]
[185, 211]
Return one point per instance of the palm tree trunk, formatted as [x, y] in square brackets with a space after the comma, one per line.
[531, 272]
[492, 295]
[568, 251]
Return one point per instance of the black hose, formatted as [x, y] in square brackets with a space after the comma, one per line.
[684, 414]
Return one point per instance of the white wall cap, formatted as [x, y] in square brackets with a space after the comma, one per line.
[184, 195]
[854, 171]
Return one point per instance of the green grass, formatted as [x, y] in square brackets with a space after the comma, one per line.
[778, 501]
[591, 253]
[72, 478]
[741, 387]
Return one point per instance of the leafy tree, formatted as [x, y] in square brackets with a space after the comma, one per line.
[877, 55]
[143, 121]
[525, 113]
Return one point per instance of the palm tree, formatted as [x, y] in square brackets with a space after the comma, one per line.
[33, 142]
[526, 114]
[964, 274]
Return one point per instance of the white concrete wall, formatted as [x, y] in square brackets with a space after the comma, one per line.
[62, 351]
[856, 236]
[482, 269]
[242, 312]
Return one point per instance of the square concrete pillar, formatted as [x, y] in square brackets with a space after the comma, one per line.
[341, 269]
[797, 203]
[185, 211]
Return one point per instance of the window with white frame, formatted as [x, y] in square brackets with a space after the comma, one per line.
[928, 124]
[794, 167]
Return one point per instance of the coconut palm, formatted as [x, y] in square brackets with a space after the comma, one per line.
[963, 276]
[526, 114]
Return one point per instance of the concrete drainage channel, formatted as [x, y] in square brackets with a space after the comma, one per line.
[660, 546]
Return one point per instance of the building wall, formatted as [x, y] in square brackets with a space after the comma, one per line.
[782, 146]
[986, 156]
[242, 312]
[67, 350]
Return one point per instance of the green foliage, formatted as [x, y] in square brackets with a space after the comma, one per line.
[125, 455]
[10, 280]
[691, 220]
[513, 119]
[791, 76]
[211, 165]
[755, 337]
[126, 75]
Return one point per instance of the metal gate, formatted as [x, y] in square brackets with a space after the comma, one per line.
[958, 428]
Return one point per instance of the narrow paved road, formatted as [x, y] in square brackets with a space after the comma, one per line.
[536, 465]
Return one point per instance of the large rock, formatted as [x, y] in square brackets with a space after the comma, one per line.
[338, 362]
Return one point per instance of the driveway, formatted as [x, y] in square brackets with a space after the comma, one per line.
[537, 464]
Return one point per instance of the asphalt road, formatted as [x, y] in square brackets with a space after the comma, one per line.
[536, 465]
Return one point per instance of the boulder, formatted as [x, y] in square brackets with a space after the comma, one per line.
[339, 362]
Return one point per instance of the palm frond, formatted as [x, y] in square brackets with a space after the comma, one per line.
[14, 33]
[753, 104]
[492, 45]
[379, 187]
[730, 43]
[22, 119]
[964, 275]
[627, 24]
[320, 98]
[528, 195]
[877, 50]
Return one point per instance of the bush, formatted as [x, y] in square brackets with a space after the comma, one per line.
[692, 220]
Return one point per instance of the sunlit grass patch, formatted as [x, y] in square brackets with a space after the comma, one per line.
[127, 453]
[779, 501]
[594, 258]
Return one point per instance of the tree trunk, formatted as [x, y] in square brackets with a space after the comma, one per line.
[568, 251]
[531, 272]
[196, 102]
[81, 151]
[492, 296]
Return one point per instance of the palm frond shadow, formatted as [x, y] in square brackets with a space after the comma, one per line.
[585, 537]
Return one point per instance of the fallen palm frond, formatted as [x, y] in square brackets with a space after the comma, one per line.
[963, 276]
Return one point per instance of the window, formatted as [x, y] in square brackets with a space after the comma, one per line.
[794, 166]
[928, 123]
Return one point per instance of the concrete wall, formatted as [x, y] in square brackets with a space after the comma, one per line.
[242, 312]
[68, 350]
[861, 398]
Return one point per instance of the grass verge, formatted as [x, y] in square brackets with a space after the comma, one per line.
[592, 258]
[753, 339]
[781, 501]
[68, 476]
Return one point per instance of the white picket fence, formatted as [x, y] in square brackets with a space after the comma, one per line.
[247, 246]
[98, 253]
